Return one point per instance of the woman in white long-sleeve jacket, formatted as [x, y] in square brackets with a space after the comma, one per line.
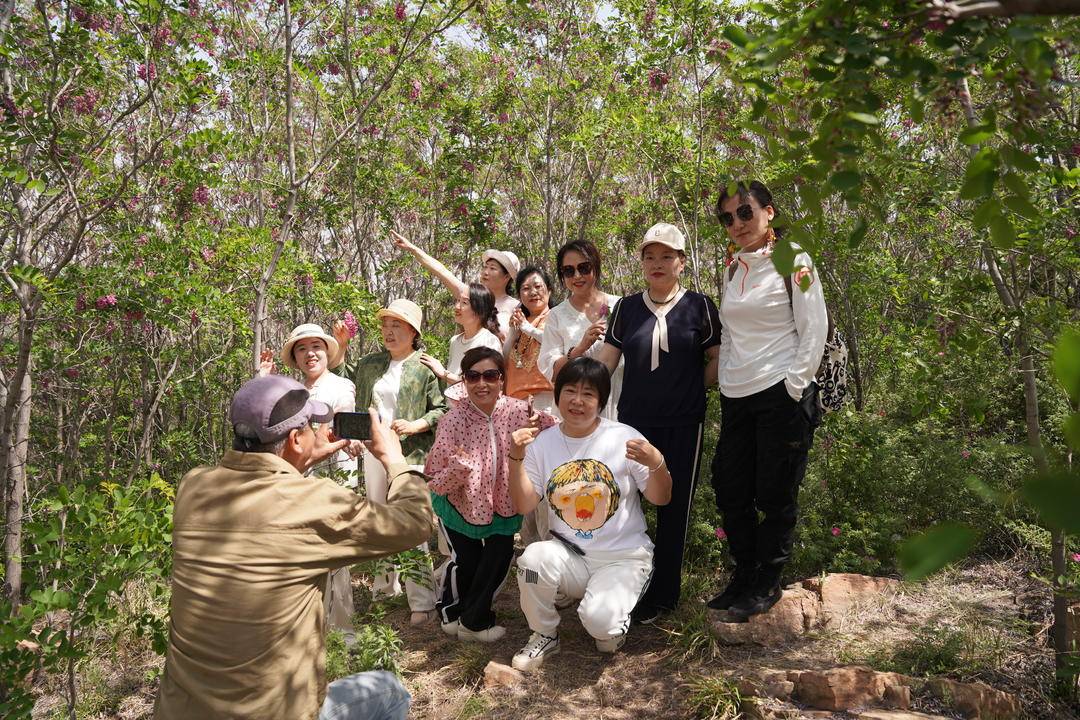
[772, 341]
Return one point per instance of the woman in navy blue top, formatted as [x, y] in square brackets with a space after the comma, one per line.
[669, 340]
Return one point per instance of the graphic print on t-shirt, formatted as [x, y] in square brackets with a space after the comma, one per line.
[584, 494]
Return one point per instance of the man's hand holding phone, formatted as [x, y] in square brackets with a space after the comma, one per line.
[384, 443]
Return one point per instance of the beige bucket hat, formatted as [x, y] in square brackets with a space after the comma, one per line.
[303, 332]
[405, 310]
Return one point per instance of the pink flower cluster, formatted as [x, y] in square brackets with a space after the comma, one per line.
[207, 254]
[105, 302]
[307, 283]
[720, 534]
[147, 72]
[86, 103]
[201, 195]
[350, 323]
[414, 91]
[163, 36]
[658, 79]
[399, 11]
[835, 531]
[89, 20]
[1076, 557]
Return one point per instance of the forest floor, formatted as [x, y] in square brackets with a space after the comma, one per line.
[986, 621]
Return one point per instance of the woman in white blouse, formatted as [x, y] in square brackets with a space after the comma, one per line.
[474, 312]
[307, 350]
[772, 339]
[575, 327]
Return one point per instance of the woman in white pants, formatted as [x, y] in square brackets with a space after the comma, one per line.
[591, 470]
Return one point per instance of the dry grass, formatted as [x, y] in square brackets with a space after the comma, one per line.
[1000, 614]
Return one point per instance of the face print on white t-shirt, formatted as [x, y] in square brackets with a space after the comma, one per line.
[584, 494]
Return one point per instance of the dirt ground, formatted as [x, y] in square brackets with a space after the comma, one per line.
[995, 613]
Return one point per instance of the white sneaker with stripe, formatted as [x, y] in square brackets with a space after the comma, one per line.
[532, 655]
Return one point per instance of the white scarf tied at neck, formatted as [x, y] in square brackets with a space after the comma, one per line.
[659, 333]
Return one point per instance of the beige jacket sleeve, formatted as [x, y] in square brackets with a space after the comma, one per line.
[356, 529]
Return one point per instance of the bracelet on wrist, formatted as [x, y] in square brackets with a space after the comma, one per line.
[663, 462]
[515, 459]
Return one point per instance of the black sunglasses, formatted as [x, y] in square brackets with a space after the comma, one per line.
[490, 376]
[583, 269]
[745, 213]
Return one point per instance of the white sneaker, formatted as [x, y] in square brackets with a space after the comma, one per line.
[451, 628]
[610, 645]
[490, 634]
[532, 655]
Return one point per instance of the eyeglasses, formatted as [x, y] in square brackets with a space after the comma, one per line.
[472, 376]
[583, 269]
[745, 213]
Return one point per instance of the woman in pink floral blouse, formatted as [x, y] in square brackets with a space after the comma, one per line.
[469, 470]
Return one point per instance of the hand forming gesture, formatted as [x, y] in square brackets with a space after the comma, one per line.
[640, 451]
[266, 362]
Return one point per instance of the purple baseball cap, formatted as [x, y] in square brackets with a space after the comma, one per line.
[269, 407]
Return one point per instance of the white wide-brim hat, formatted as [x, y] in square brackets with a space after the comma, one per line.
[404, 310]
[303, 332]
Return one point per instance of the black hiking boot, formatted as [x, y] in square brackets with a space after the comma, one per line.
[740, 582]
[764, 592]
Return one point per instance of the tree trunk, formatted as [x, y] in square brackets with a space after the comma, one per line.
[15, 490]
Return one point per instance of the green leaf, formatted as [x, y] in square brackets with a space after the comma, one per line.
[928, 552]
[1066, 360]
[1002, 234]
[980, 175]
[857, 234]
[783, 257]
[845, 180]
[977, 134]
[1071, 430]
[1020, 159]
[1022, 206]
[987, 210]
[736, 35]
[822, 74]
[36, 185]
[1056, 497]
[865, 118]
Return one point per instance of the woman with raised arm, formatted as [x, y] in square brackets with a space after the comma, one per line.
[408, 397]
[575, 327]
[496, 274]
[669, 339]
[774, 336]
[474, 312]
[469, 470]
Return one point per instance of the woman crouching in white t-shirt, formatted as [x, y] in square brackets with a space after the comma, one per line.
[591, 470]
[474, 311]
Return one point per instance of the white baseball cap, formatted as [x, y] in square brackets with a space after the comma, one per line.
[665, 234]
[507, 259]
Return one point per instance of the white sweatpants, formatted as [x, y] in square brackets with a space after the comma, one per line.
[421, 595]
[608, 584]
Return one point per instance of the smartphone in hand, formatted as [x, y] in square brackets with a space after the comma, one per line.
[352, 425]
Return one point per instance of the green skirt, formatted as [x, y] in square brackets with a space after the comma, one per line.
[452, 519]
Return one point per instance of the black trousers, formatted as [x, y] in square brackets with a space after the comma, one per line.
[681, 448]
[759, 464]
[476, 571]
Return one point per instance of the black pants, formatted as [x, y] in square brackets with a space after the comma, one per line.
[759, 464]
[477, 569]
[681, 448]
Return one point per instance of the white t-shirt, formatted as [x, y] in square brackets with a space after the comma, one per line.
[591, 487]
[504, 308]
[563, 330]
[340, 394]
[385, 390]
[459, 346]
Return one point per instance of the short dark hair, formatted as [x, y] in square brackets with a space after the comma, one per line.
[524, 275]
[479, 354]
[584, 247]
[586, 370]
[482, 302]
[742, 190]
